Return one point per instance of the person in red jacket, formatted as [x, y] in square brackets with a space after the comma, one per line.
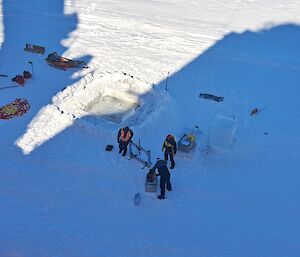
[170, 148]
[124, 137]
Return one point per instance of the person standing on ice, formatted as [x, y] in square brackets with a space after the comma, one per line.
[163, 172]
[170, 148]
[124, 137]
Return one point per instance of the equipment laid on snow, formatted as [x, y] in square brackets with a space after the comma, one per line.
[151, 182]
[26, 74]
[31, 63]
[256, 110]
[109, 148]
[17, 108]
[34, 49]
[8, 87]
[19, 79]
[166, 87]
[188, 141]
[63, 63]
[138, 154]
[211, 97]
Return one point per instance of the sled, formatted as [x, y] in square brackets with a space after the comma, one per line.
[34, 49]
[17, 108]
[62, 63]
[186, 143]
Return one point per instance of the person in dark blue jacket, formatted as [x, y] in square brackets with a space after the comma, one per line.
[163, 172]
[170, 148]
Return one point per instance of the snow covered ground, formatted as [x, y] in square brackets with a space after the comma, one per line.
[62, 195]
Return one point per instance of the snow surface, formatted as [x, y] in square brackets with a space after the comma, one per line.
[62, 195]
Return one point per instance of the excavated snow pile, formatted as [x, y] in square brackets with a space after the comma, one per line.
[113, 97]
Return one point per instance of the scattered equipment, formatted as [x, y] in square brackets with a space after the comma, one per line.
[34, 49]
[31, 63]
[26, 74]
[137, 154]
[109, 148]
[19, 79]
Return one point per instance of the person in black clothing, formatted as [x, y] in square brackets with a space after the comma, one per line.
[163, 172]
[170, 148]
[124, 137]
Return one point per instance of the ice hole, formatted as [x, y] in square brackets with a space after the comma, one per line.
[112, 108]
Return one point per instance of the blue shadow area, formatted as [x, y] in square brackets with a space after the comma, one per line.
[42, 23]
[249, 69]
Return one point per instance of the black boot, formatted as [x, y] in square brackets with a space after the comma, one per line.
[160, 197]
[125, 151]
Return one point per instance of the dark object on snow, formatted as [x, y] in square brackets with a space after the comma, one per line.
[34, 49]
[31, 63]
[3, 75]
[211, 97]
[26, 74]
[19, 79]
[170, 148]
[254, 111]
[62, 62]
[109, 148]
[163, 172]
[7, 87]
